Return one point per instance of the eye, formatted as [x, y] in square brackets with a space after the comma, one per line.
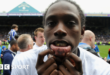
[51, 23]
[71, 23]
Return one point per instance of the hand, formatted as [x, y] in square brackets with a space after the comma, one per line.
[70, 67]
[46, 68]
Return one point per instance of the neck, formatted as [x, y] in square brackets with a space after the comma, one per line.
[11, 49]
[87, 42]
[75, 51]
[23, 50]
[38, 44]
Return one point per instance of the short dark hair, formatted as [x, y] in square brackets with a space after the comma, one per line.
[16, 36]
[13, 42]
[14, 26]
[72, 2]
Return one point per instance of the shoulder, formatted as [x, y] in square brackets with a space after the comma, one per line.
[98, 64]
[24, 56]
[45, 46]
[7, 56]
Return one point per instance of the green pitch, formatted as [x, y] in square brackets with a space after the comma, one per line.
[104, 50]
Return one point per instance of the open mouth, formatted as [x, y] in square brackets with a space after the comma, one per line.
[60, 47]
[60, 43]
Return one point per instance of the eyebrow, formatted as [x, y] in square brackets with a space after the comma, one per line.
[51, 17]
[71, 16]
[68, 16]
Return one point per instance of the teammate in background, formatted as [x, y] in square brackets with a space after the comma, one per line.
[25, 42]
[29, 57]
[8, 56]
[39, 38]
[88, 41]
[63, 26]
[97, 49]
[12, 32]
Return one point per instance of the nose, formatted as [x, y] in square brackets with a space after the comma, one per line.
[60, 32]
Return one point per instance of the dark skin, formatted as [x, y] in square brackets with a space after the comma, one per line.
[14, 48]
[62, 22]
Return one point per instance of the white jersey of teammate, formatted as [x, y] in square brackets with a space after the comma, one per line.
[91, 64]
[36, 46]
[27, 59]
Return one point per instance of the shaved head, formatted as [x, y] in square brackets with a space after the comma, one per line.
[88, 34]
[89, 38]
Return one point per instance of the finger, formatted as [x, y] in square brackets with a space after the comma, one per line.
[55, 72]
[63, 70]
[77, 60]
[41, 57]
[60, 73]
[44, 66]
[50, 69]
[69, 66]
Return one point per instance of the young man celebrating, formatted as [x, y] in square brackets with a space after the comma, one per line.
[27, 55]
[63, 26]
[39, 38]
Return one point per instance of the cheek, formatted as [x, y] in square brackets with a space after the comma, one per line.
[47, 33]
[75, 35]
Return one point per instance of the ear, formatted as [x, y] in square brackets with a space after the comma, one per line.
[35, 38]
[90, 38]
[82, 30]
[29, 47]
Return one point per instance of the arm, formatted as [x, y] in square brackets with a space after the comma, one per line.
[13, 34]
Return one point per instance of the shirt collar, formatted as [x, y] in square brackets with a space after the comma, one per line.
[13, 52]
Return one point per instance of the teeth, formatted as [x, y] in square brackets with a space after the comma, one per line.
[57, 44]
[60, 44]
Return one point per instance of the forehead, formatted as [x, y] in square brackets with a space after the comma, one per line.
[63, 8]
[40, 33]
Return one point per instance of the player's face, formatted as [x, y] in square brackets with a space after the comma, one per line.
[16, 28]
[15, 47]
[40, 38]
[62, 27]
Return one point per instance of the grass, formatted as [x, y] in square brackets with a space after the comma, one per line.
[104, 50]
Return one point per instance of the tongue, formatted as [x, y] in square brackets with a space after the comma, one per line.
[60, 51]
